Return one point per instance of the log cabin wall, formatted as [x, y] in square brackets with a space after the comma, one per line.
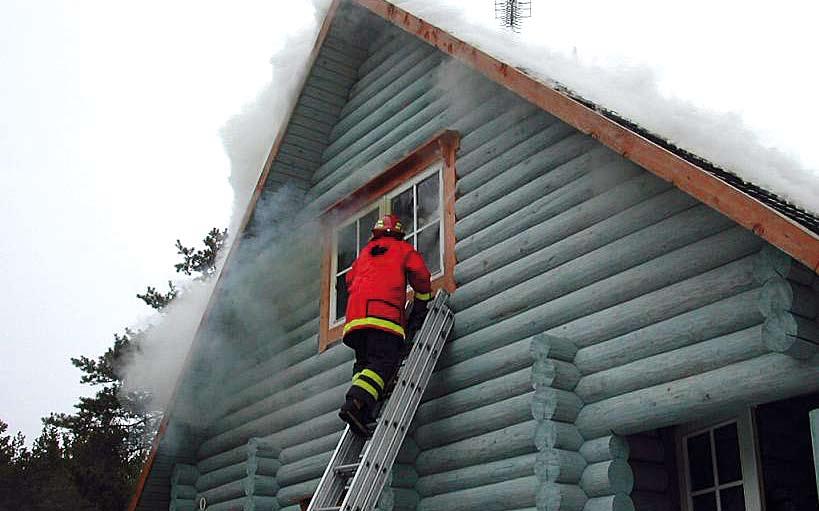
[586, 286]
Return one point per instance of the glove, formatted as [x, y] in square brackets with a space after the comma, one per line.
[416, 318]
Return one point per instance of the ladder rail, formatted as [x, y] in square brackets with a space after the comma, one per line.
[400, 410]
[401, 428]
[375, 457]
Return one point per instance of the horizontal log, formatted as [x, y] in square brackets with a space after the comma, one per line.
[245, 504]
[184, 474]
[545, 346]
[779, 294]
[183, 505]
[283, 374]
[281, 419]
[549, 206]
[624, 209]
[673, 365]
[555, 374]
[237, 471]
[646, 448]
[540, 155]
[619, 502]
[289, 494]
[404, 499]
[309, 448]
[720, 318]
[791, 335]
[490, 209]
[609, 447]
[658, 273]
[508, 442]
[647, 245]
[310, 429]
[559, 466]
[557, 435]
[554, 404]
[474, 422]
[712, 283]
[648, 501]
[773, 263]
[478, 144]
[321, 382]
[477, 475]
[651, 477]
[303, 470]
[404, 476]
[479, 368]
[457, 352]
[770, 377]
[182, 492]
[499, 389]
[607, 478]
[249, 486]
[517, 493]
[560, 497]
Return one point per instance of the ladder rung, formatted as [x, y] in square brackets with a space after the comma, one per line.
[336, 508]
[347, 469]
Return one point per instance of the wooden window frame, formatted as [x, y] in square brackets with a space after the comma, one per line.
[748, 450]
[440, 148]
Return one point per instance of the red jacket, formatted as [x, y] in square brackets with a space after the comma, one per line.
[377, 285]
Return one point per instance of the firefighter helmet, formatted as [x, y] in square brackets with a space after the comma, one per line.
[388, 225]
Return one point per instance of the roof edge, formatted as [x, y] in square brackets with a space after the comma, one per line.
[248, 214]
[779, 230]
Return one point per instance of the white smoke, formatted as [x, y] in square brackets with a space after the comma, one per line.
[248, 138]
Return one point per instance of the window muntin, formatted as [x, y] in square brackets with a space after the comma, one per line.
[418, 203]
[348, 239]
[713, 468]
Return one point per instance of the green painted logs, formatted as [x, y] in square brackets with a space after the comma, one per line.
[610, 477]
[508, 442]
[779, 294]
[791, 334]
[619, 502]
[734, 313]
[673, 365]
[512, 494]
[560, 497]
[471, 477]
[559, 466]
[610, 447]
[766, 378]
[561, 435]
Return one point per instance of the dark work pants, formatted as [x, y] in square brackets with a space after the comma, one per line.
[377, 358]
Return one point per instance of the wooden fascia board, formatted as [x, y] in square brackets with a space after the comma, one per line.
[274, 151]
[747, 211]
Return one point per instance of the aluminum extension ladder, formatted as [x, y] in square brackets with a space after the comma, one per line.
[358, 468]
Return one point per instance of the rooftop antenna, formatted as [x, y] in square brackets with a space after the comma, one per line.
[511, 12]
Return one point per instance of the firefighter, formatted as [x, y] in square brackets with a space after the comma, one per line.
[375, 324]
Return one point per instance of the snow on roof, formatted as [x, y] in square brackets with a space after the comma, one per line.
[772, 152]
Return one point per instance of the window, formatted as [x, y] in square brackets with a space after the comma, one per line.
[418, 203]
[420, 190]
[720, 466]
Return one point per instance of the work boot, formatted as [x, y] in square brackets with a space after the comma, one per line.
[354, 413]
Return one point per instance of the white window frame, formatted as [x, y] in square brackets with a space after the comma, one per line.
[383, 204]
[749, 459]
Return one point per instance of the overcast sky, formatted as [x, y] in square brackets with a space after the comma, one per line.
[110, 151]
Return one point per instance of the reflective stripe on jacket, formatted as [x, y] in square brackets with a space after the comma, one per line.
[377, 284]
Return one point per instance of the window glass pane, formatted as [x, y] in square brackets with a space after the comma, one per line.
[429, 245]
[705, 502]
[726, 442]
[700, 466]
[429, 203]
[346, 247]
[341, 296]
[366, 226]
[402, 205]
[732, 499]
